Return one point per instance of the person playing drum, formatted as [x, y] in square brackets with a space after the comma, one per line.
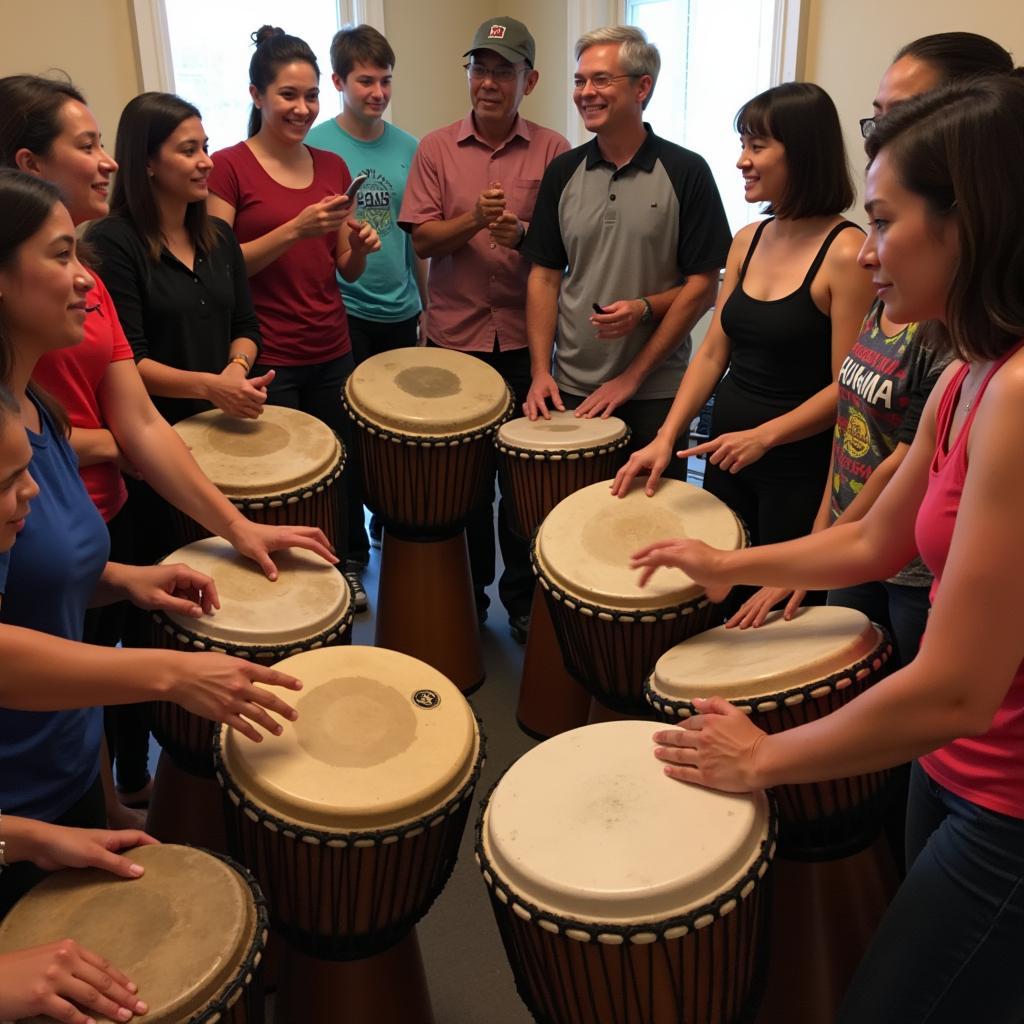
[945, 243]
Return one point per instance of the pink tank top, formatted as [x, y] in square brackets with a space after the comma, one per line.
[988, 770]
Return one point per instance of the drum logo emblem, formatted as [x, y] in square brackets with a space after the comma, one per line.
[427, 699]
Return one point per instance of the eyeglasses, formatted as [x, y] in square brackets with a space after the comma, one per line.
[601, 81]
[503, 73]
[867, 126]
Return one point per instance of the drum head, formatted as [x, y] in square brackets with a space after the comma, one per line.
[427, 392]
[381, 739]
[181, 932]
[587, 825]
[586, 541]
[309, 596]
[284, 450]
[778, 656]
[563, 432]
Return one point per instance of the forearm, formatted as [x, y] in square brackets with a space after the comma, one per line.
[21, 838]
[422, 272]
[169, 382]
[261, 252]
[818, 413]
[244, 347]
[93, 446]
[661, 303]
[47, 673]
[874, 485]
[351, 264]
[443, 237]
[541, 317]
[697, 386]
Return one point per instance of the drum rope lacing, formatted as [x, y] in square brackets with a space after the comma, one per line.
[671, 928]
[562, 454]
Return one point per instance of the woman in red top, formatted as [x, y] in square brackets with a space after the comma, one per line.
[287, 205]
[946, 243]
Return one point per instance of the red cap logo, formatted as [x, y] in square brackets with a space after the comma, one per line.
[497, 32]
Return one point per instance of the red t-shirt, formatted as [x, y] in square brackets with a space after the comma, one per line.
[988, 770]
[302, 316]
[73, 375]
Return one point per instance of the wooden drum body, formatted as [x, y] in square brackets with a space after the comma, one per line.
[352, 819]
[190, 932]
[279, 469]
[623, 897]
[611, 631]
[785, 674]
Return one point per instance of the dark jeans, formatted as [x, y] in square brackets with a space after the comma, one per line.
[644, 417]
[16, 880]
[369, 338]
[316, 389]
[515, 588]
[949, 947]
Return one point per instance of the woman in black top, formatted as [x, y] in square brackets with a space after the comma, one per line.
[789, 310]
[176, 275]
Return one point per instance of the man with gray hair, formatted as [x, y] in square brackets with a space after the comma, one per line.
[627, 223]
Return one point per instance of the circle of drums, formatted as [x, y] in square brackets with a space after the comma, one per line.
[621, 896]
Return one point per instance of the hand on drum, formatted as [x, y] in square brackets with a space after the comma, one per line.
[542, 390]
[52, 847]
[56, 979]
[699, 561]
[619, 319]
[238, 395]
[716, 748]
[170, 588]
[731, 452]
[258, 540]
[223, 689]
[652, 459]
[755, 609]
[608, 397]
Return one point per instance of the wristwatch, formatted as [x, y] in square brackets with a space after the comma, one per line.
[648, 314]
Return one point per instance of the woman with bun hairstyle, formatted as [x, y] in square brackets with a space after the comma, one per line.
[286, 203]
[946, 243]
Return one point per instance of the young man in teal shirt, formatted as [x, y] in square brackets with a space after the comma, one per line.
[386, 304]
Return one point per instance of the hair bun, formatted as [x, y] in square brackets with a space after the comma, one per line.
[265, 32]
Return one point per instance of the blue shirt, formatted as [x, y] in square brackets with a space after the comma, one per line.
[49, 759]
[386, 290]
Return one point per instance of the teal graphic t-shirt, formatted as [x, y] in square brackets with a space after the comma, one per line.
[386, 291]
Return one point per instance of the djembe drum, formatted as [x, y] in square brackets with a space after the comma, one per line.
[424, 424]
[541, 462]
[623, 897]
[279, 469]
[834, 883]
[307, 607]
[352, 819]
[190, 932]
[611, 631]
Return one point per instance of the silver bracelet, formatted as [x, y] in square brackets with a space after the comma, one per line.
[3, 845]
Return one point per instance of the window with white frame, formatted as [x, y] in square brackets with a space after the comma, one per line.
[714, 57]
[201, 50]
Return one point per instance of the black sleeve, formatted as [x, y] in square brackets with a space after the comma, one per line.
[244, 322]
[123, 269]
[543, 243]
[923, 373]
[704, 235]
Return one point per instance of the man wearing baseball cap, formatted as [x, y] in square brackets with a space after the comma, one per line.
[468, 203]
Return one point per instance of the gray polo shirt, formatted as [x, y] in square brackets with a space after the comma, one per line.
[619, 234]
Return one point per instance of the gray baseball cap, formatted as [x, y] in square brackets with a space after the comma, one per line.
[507, 37]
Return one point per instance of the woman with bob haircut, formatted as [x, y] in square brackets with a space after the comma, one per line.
[946, 242]
[790, 307]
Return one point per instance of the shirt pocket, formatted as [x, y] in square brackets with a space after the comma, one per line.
[523, 197]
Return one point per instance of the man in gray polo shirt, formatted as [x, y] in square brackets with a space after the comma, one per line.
[631, 223]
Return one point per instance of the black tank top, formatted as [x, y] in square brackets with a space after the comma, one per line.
[781, 355]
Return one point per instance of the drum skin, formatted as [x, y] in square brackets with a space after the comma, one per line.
[280, 469]
[307, 607]
[352, 820]
[190, 932]
[663, 922]
[785, 674]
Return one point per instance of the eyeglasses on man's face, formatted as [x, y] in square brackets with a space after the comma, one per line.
[502, 73]
[867, 126]
[601, 81]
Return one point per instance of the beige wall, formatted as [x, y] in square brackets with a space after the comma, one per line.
[92, 40]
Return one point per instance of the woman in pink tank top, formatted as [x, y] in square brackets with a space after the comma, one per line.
[946, 243]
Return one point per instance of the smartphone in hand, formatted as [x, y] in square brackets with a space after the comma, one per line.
[599, 309]
[357, 183]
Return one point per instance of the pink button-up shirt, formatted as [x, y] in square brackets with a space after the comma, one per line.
[477, 292]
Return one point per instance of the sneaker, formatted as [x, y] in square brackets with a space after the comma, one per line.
[354, 575]
[518, 626]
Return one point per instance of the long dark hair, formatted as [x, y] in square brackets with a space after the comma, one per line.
[961, 148]
[802, 116]
[145, 125]
[957, 56]
[274, 49]
[30, 109]
[25, 203]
